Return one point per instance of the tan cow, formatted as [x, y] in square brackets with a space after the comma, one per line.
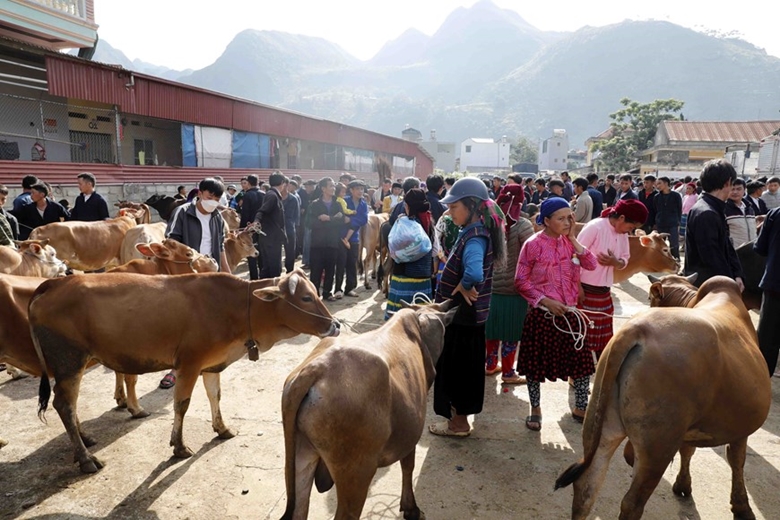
[369, 243]
[86, 246]
[239, 246]
[674, 379]
[141, 234]
[649, 254]
[341, 433]
[140, 212]
[33, 258]
[199, 324]
[231, 217]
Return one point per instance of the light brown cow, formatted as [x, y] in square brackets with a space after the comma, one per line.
[141, 234]
[673, 380]
[86, 246]
[33, 258]
[649, 254]
[369, 244]
[231, 217]
[199, 324]
[239, 246]
[140, 212]
[379, 415]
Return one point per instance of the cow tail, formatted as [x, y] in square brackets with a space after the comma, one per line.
[609, 366]
[296, 388]
[44, 388]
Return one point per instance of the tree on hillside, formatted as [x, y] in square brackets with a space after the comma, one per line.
[524, 151]
[633, 130]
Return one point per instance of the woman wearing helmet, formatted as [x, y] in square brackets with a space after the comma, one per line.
[459, 388]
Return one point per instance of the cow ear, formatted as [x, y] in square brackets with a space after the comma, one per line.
[653, 278]
[145, 250]
[449, 315]
[646, 240]
[36, 248]
[160, 251]
[268, 294]
[656, 291]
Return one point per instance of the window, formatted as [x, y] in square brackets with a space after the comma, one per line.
[143, 151]
[468, 148]
[544, 147]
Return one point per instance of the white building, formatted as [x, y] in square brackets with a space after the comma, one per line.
[554, 151]
[443, 153]
[478, 154]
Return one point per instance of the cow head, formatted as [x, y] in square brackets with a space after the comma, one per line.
[41, 252]
[672, 290]
[658, 257]
[284, 307]
[140, 215]
[245, 242]
[433, 320]
[231, 218]
[155, 199]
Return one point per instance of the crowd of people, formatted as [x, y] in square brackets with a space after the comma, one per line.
[520, 255]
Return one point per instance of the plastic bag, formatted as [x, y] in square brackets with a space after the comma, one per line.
[408, 241]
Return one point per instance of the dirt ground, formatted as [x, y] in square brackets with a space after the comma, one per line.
[502, 471]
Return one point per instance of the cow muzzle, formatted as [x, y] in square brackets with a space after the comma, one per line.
[334, 331]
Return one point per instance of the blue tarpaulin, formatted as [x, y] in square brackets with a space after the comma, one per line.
[250, 150]
[189, 157]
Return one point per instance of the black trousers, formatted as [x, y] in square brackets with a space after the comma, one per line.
[323, 260]
[254, 264]
[346, 263]
[271, 254]
[290, 251]
[769, 329]
[460, 371]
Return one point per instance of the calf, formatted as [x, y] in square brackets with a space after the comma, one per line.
[341, 433]
[369, 242]
[649, 254]
[33, 258]
[231, 217]
[239, 246]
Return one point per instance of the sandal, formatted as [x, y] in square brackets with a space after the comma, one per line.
[578, 418]
[168, 381]
[533, 419]
[513, 380]
[443, 429]
[492, 371]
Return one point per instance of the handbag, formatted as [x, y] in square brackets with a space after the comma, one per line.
[408, 241]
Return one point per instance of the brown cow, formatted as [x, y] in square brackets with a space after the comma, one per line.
[673, 380]
[369, 241]
[649, 254]
[231, 217]
[140, 212]
[239, 246]
[141, 234]
[379, 415]
[199, 325]
[33, 258]
[87, 246]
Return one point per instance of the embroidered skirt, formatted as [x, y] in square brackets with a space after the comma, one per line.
[546, 353]
[404, 288]
[506, 317]
[599, 301]
[683, 224]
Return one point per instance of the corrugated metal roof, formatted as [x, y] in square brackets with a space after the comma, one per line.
[719, 131]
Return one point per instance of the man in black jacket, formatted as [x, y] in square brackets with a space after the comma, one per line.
[13, 224]
[753, 198]
[435, 185]
[90, 206]
[708, 249]
[250, 205]
[42, 211]
[271, 219]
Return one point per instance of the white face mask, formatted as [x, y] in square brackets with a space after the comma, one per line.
[209, 205]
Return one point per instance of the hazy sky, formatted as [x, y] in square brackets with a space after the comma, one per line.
[193, 33]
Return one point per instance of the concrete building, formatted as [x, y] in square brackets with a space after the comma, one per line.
[553, 152]
[444, 153]
[479, 154]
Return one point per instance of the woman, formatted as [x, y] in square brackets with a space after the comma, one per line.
[689, 200]
[507, 308]
[413, 277]
[548, 276]
[325, 220]
[459, 388]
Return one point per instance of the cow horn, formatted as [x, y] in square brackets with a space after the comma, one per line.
[653, 278]
[692, 278]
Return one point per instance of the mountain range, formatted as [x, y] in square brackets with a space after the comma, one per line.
[486, 72]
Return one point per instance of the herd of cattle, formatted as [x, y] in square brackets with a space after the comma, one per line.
[57, 326]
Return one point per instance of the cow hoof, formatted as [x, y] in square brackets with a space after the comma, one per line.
[87, 440]
[415, 514]
[681, 490]
[139, 414]
[744, 514]
[121, 404]
[3, 442]
[227, 433]
[92, 465]
[182, 452]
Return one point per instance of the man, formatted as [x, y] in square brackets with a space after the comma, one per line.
[181, 193]
[448, 183]
[768, 245]
[608, 191]
[42, 211]
[435, 184]
[345, 178]
[13, 224]
[408, 184]
[495, 187]
[556, 187]
[348, 257]
[231, 194]
[292, 218]
[583, 205]
[754, 200]
[541, 194]
[708, 249]
[646, 197]
[667, 207]
[595, 195]
[90, 206]
[305, 195]
[379, 195]
[271, 218]
[568, 187]
[250, 205]
[740, 217]
[625, 192]
[25, 197]
[772, 194]
[528, 190]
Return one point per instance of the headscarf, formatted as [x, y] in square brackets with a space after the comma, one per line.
[550, 206]
[492, 216]
[510, 200]
[631, 209]
[419, 207]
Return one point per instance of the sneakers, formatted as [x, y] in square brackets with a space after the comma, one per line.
[352, 294]
[339, 295]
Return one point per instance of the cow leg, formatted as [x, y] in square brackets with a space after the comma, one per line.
[408, 503]
[740, 506]
[182, 393]
[682, 486]
[214, 392]
[66, 391]
[649, 468]
[352, 483]
[132, 398]
[119, 390]
[366, 263]
[587, 486]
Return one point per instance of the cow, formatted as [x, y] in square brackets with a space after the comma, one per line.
[231, 217]
[87, 246]
[199, 325]
[239, 246]
[649, 254]
[369, 242]
[140, 212]
[165, 205]
[167, 257]
[674, 379]
[141, 234]
[386, 262]
[33, 258]
[379, 415]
